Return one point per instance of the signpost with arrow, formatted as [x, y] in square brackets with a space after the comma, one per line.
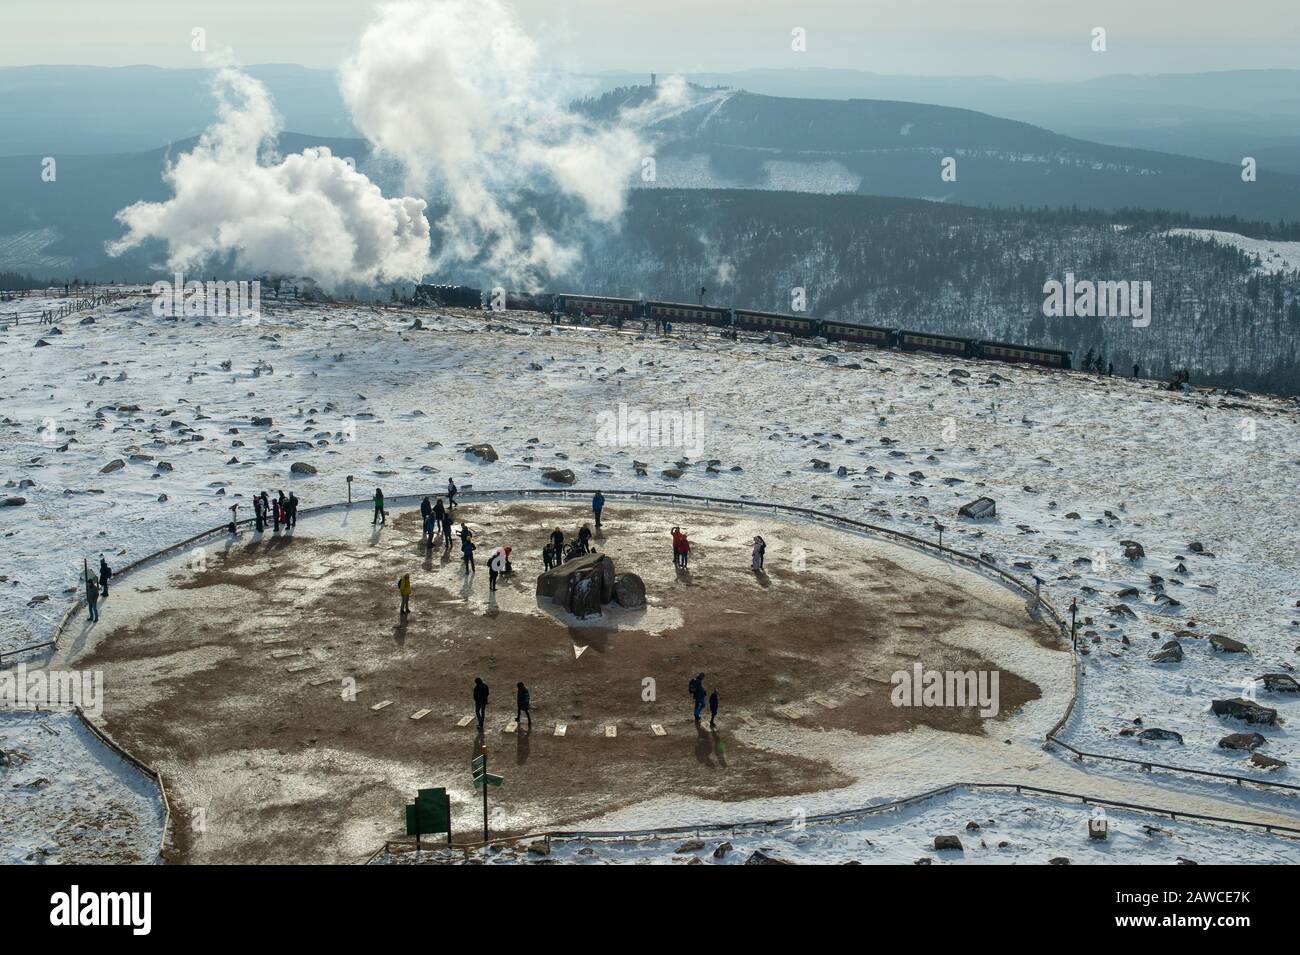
[482, 780]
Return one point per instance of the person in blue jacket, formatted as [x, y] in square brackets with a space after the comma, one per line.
[597, 505]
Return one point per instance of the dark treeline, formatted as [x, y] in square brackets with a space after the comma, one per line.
[976, 272]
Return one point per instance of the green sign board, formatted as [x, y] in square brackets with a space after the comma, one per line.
[491, 778]
[477, 763]
[431, 813]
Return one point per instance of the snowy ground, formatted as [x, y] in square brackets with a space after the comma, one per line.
[1273, 256]
[994, 828]
[352, 391]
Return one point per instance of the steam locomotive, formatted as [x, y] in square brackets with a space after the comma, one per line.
[618, 310]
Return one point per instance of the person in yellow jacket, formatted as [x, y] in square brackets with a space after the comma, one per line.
[404, 588]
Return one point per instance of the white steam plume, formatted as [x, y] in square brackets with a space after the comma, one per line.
[456, 91]
[305, 214]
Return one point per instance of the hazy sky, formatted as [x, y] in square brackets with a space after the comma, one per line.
[1043, 38]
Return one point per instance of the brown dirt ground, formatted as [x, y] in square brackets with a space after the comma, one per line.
[289, 771]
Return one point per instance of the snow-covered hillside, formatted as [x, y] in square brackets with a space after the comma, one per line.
[1077, 464]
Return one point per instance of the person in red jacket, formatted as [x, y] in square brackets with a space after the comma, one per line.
[681, 548]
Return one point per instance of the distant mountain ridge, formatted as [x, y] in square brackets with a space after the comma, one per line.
[737, 139]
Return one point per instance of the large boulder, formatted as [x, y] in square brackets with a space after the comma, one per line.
[1246, 710]
[979, 508]
[559, 475]
[629, 591]
[580, 586]
[1226, 644]
[1155, 734]
[1170, 652]
[484, 452]
[1241, 741]
[1280, 683]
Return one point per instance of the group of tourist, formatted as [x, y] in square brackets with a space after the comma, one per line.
[97, 587]
[523, 703]
[280, 511]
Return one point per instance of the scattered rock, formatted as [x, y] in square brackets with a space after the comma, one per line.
[1280, 683]
[115, 465]
[629, 591]
[1241, 741]
[1171, 652]
[947, 842]
[484, 452]
[1155, 733]
[1240, 709]
[979, 508]
[301, 467]
[722, 850]
[1226, 644]
[559, 475]
[1261, 761]
[759, 857]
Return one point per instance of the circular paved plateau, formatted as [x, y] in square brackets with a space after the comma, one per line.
[232, 678]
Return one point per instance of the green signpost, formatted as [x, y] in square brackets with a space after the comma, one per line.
[430, 813]
[482, 780]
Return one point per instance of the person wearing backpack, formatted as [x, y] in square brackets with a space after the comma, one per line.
[404, 588]
[696, 689]
[380, 517]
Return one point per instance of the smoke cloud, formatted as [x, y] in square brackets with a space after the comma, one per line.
[305, 214]
[458, 93]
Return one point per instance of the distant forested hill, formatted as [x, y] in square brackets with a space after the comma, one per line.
[976, 272]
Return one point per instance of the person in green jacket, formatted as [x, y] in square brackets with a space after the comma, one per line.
[380, 516]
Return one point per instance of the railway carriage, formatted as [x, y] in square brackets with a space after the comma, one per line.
[941, 344]
[752, 321]
[862, 334]
[599, 305]
[1024, 354]
[683, 312]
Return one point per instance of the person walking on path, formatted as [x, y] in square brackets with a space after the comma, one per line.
[480, 701]
[259, 514]
[467, 551]
[598, 505]
[426, 508]
[92, 595]
[439, 512]
[428, 531]
[584, 539]
[446, 532]
[452, 491]
[380, 516]
[105, 572]
[293, 509]
[548, 556]
[266, 510]
[760, 548]
[496, 567]
[275, 514]
[713, 709]
[557, 546]
[697, 694]
[522, 702]
[404, 588]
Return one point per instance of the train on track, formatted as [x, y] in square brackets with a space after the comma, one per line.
[615, 310]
